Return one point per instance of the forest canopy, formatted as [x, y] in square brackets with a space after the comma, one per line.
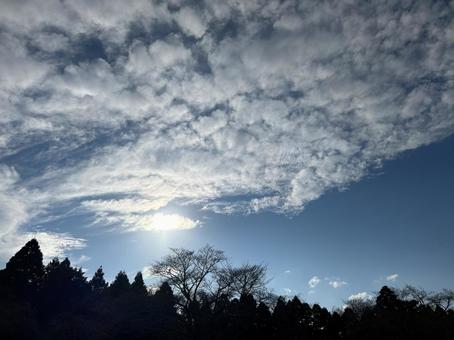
[201, 296]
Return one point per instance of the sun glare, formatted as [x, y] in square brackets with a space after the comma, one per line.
[167, 222]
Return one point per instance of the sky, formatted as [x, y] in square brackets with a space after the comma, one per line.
[311, 136]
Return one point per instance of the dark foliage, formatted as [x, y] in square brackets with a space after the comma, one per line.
[57, 302]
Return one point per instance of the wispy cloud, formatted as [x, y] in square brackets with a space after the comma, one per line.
[313, 282]
[81, 259]
[337, 283]
[147, 272]
[392, 277]
[121, 109]
[287, 291]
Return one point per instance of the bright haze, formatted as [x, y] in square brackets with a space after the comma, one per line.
[311, 136]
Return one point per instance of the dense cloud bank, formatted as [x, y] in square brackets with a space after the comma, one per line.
[117, 108]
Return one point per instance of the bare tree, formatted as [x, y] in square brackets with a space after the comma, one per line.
[206, 275]
[418, 294]
[188, 271]
[359, 306]
[245, 279]
[443, 300]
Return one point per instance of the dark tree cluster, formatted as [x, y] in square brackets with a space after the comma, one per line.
[201, 297]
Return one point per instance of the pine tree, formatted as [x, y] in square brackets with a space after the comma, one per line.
[24, 271]
[120, 285]
[98, 283]
[138, 286]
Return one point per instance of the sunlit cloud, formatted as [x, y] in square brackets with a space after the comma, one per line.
[52, 244]
[154, 222]
[147, 272]
[363, 296]
[267, 119]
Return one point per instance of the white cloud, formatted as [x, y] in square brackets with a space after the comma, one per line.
[147, 272]
[51, 42]
[15, 210]
[17, 68]
[313, 282]
[360, 296]
[287, 291]
[149, 222]
[337, 283]
[392, 277]
[191, 22]
[52, 244]
[165, 54]
[126, 205]
[289, 105]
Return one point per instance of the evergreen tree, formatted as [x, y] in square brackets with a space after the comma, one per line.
[24, 271]
[387, 299]
[57, 302]
[120, 285]
[64, 286]
[98, 283]
[138, 286]
[263, 321]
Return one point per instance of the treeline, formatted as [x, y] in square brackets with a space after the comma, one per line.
[202, 297]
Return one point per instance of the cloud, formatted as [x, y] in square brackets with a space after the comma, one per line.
[120, 109]
[126, 205]
[392, 277]
[287, 291]
[149, 222]
[360, 296]
[15, 210]
[52, 244]
[191, 22]
[313, 282]
[287, 272]
[337, 283]
[147, 272]
[81, 259]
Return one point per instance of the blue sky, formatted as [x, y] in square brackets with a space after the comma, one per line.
[313, 137]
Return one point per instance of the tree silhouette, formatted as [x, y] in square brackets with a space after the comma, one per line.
[98, 284]
[138, 286]
[64, 287]
[120, 285]
[56, 301]
[24, 271]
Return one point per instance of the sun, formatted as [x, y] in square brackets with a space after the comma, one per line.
[168, 222]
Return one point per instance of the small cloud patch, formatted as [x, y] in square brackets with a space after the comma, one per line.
[392, 277]
[313, 282]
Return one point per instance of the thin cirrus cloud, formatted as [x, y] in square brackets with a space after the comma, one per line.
[111, 104]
